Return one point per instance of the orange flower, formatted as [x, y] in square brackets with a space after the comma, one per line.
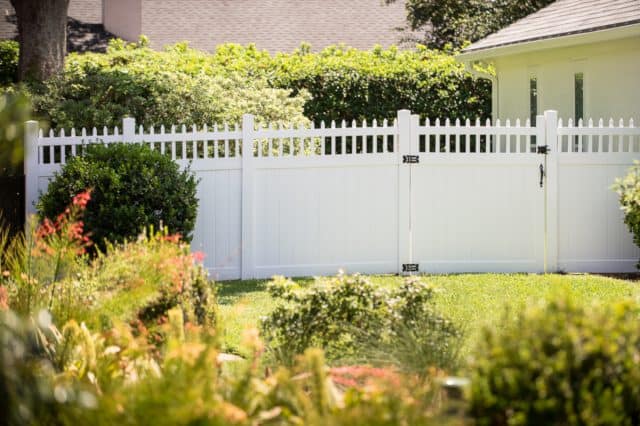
[198, 256]
[4, 299]
[82, 199]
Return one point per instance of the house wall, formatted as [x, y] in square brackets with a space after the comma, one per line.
[611, 80]
[87, 11]
[275, 25]
[123, 18]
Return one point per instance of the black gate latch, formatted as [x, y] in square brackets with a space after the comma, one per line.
[410, 159]
[409, 267]
[541, 175]
[543, 149]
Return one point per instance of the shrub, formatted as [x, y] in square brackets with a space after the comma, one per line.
[35, 265]
[560, 363]
[351, 319]
[166, 368]
[8, 62]
[133, 187]
[347, 83]
[172, 87]
[183, 85]
[628, 189]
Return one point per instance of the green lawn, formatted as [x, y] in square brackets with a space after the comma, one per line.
[471, 300]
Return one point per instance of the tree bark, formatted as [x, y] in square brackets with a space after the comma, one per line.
[42, 34]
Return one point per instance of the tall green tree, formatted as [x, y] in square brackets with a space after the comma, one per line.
[42, 34]
[455, 22]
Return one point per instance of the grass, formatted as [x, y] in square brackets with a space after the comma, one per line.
[473, 301]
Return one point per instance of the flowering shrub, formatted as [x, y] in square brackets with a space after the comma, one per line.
[35, 266]
[141, 281]
[64, 236]
[351, 319]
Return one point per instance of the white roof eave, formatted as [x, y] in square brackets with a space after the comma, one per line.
[550, 43]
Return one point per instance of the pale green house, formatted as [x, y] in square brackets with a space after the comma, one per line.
[579, 57]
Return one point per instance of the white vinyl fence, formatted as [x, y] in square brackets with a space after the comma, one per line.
[390, 197]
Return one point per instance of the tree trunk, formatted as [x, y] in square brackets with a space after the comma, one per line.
[42, 34]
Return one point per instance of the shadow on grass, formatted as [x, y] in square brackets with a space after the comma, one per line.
[229, 292]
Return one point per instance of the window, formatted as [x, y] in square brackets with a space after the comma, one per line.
[533, 99]
[533, 108]
[578, 108]
[578, 79]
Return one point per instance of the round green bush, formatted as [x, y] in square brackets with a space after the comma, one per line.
[560, 363]
[133, 187]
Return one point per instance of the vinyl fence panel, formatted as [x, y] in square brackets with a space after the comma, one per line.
[389, 197]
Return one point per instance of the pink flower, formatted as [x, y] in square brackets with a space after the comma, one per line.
[199, 256]
[82, 199]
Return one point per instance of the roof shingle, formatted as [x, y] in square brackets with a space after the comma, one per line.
[564, 17]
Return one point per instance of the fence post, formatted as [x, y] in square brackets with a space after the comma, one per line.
[551, 193]
[128, 129]
[248, 211]
[404, 147]
[30, 168]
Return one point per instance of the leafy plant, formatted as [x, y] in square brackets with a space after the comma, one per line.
[182, 85]
[14, 111]
[455, 22]
[173, 87]
[34, 389]
[348, 84]
[133, 187]
[35, 264]
[351, 319]
[628, 189]
[8, 62]
[560, 363]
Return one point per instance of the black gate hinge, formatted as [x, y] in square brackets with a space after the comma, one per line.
[543, 149]
[410, 159]
[409, 267]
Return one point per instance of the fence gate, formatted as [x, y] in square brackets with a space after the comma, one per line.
[477, 198]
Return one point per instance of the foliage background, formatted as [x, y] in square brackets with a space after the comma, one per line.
[457, 22]
[181, 85]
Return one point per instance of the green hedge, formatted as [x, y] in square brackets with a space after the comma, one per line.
[184, 85]
[347, 83]
[176, 86]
